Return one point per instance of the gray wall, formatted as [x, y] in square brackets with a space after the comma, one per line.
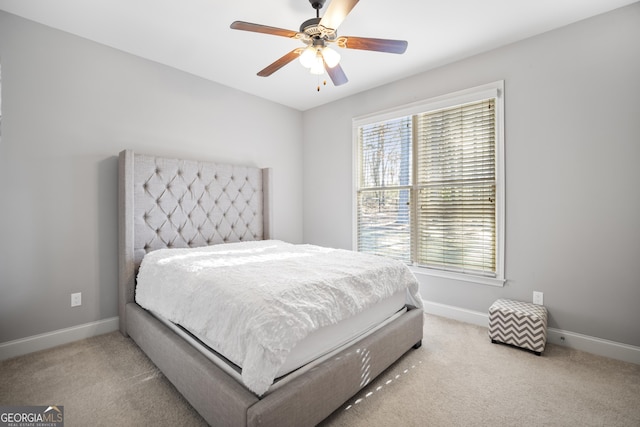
[69, 106]
[572, 112]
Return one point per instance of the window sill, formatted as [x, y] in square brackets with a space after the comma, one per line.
[489, 281]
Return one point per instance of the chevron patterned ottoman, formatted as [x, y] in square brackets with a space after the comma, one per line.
[517, 323]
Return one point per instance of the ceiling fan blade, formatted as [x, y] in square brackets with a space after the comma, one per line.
[336, 12]
[338, 77]
[379, 45]
[279, 63]
[257, 28]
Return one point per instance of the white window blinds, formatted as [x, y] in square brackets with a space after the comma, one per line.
[428, 187]
[456, 188]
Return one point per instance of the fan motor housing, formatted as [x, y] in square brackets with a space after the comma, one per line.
[313, 29]
[310, 26]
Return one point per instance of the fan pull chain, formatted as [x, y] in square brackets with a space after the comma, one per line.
[324, 83]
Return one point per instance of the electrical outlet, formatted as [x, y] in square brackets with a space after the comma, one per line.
[538, 298]
[76, 299]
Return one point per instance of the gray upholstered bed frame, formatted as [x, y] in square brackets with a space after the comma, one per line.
[177, 203]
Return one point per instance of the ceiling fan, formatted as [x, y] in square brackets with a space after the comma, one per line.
[317, 34]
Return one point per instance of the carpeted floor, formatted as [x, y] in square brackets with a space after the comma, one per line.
[457, 378]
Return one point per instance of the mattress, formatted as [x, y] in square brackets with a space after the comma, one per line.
[315, 348]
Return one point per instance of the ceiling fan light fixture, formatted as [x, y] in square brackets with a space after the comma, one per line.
[331, 57]
[308, 57]
[318, 65]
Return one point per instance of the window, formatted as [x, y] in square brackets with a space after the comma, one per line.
[430, 185]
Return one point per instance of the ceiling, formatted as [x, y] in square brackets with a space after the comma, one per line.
[194, 36]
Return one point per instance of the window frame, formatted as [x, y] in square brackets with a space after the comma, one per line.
[491, 90]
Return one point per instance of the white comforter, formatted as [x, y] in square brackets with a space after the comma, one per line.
[256, 300]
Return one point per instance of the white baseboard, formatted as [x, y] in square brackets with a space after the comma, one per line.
[457, 313]
[47, 340]
[599, 346]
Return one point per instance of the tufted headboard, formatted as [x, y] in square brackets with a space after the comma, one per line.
[166, 203]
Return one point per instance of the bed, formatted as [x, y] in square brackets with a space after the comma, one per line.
[167, 203]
